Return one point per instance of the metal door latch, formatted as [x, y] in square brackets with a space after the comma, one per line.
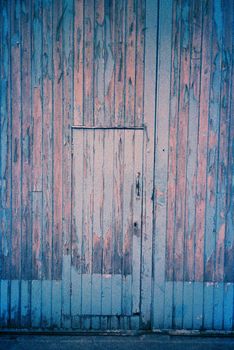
[138, 189]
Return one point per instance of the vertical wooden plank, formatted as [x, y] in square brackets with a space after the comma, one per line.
[174, 96]
[118, 172]
[37, 140]
[116, 301]
[88, 144]
[161, 158]
[4, 306]
[86, 294]
[177, 321]
[47, 165]
[202, 144]
[78, 61]
[188, 305]
[36, 235]
[198, 299]
[228, 307]
[25, 304]
[36, 259]
[26, 256]
[36, 304]
[135, 255]
[46, 303]
[194, 95]
[148, 192]
[120, 53]
[98, 203]
[56, 304]
[5, 141]
[98, 200]
[37, 95]
[95, 323]
[1, 119]
[87, 226]
[182, 135]
[57, 141]
[15, 304]
[208, 305]
[130, 83]
[127, 295]
[106, 294]
[77, 207]
[109, 61]
[212, 152]
[47, 140]
[99, 57]
[218, 306]
[77, 198]
[140, 47]
[168, 306]
[128, 180]
[75, 297]
[96, 294]
[229, 252]
[68, 98]
[16, 140]
[224, 128]
[108, 218]
[88, 99]
[117, 207]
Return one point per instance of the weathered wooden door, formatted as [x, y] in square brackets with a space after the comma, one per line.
[107, 209]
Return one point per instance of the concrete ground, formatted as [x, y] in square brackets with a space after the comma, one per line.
[93, 342]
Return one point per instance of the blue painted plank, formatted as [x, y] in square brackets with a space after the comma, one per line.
[86, 294]
[188, 305]
[76, 293]
[198, 305]
[56, 304]
[46, 304]
[228, 308]
[36, 304]
[218, 305]
[15, 303]
[126, 295]
[168, 306]
[25, 304]
[134, 322]
[4, 304]
[106, 294]
[66, 292]
[178, 305]
[116, 294]
[86, 323]
[114, 322]
[208, 305]
[96, 294]
[95, 322]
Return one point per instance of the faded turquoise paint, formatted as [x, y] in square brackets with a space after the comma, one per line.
[167, 65]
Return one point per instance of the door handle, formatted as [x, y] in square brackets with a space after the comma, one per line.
[138, 187]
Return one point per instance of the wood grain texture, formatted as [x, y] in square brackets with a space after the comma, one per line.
[57, 141]
[105, 242]
[78, 248]
[6, 207]
[26, 139]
